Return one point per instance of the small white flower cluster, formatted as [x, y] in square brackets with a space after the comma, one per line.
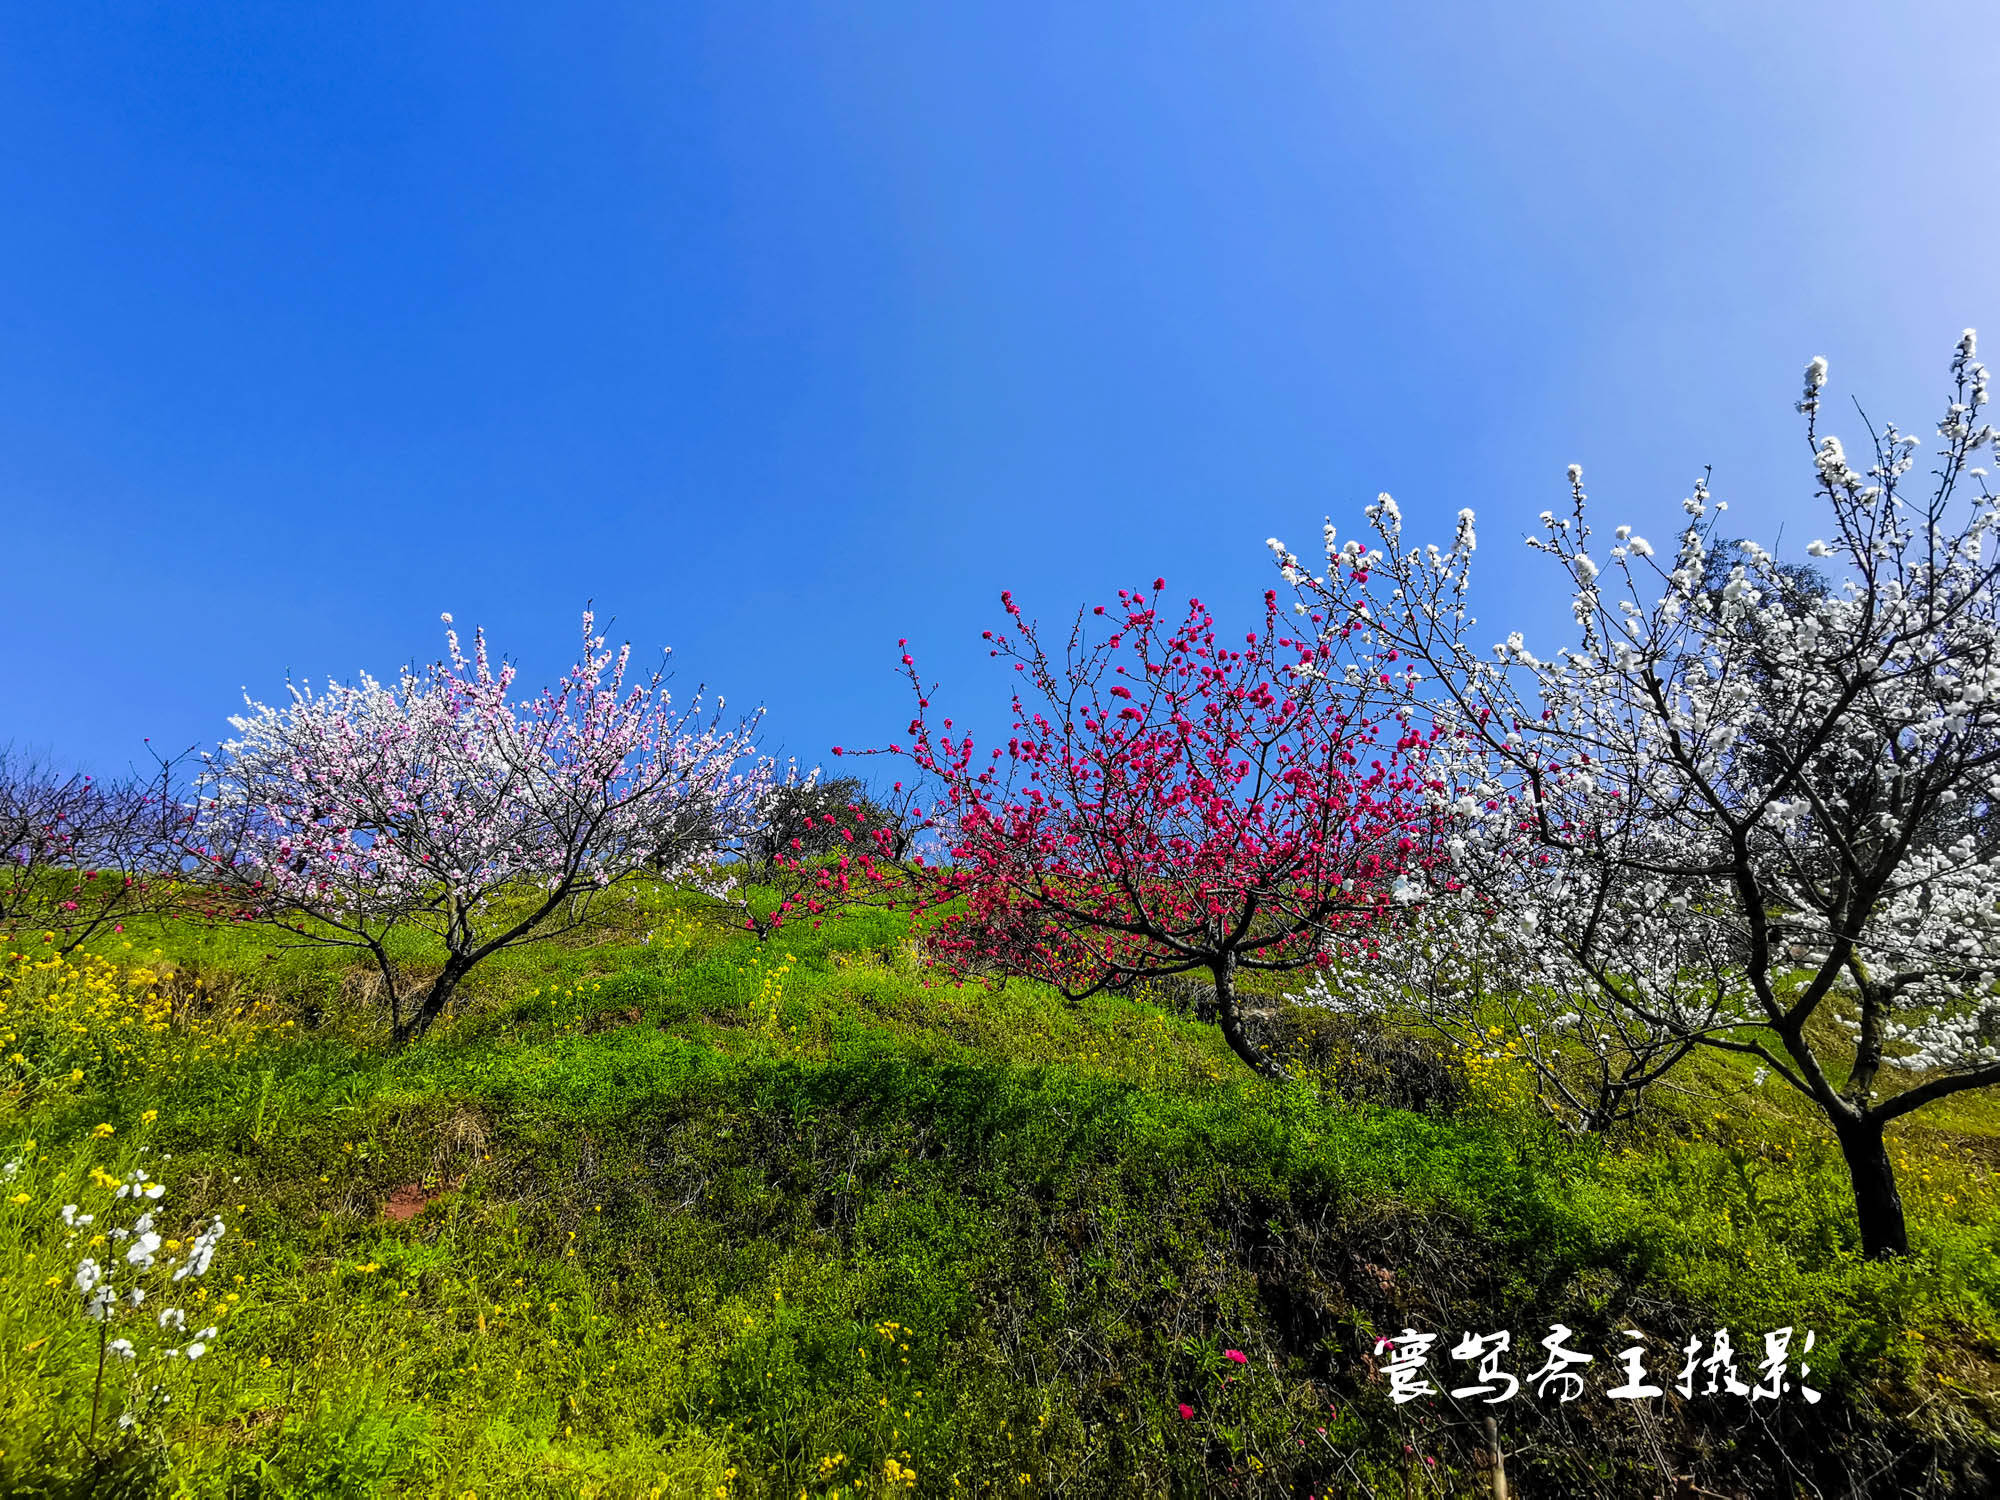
[146, 1256]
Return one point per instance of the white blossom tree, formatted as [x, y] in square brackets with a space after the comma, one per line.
[1754, 806]
[443, 805]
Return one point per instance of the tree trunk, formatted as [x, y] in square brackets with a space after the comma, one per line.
[1231, 1019]
[1868, 1046]
[435, 999]
[1876, 1201]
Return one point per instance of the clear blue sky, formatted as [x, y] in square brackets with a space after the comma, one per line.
[784, 331]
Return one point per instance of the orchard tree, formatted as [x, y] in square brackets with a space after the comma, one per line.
[1167, 803]
[1748, 808]
[827, 843]
[814, 816]
[445, 805]
[79, 856]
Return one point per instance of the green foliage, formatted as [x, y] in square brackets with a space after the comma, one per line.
[672, 1213]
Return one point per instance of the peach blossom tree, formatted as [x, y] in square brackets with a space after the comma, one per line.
[444, 804]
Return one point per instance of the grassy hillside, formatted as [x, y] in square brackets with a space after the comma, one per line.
[666, 1212]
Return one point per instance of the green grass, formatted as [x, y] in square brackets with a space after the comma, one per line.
[691, 1231]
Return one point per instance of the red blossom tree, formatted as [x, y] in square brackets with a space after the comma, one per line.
[1168, 804]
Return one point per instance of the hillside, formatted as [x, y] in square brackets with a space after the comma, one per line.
[670, 1212]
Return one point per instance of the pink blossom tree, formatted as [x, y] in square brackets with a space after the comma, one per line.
[444, 805]
[1169, 804]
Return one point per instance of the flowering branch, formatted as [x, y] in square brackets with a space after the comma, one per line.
[78, 855]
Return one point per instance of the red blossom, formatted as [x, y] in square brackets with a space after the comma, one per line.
[1163, 805]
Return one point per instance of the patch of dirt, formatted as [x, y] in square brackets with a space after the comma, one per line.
[610, 1020]
[412, 1198]
[406, 1202]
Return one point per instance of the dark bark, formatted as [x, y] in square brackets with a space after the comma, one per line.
[1230, 1016]
[435, 999]
[1868, 1047]
[1876, 1201]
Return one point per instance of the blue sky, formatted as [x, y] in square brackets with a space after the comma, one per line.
[786, 331]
